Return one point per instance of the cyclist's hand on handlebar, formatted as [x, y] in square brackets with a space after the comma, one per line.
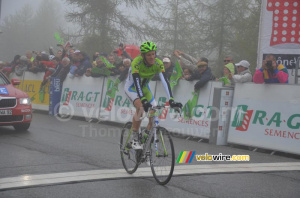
[146, 105]
[175, 104]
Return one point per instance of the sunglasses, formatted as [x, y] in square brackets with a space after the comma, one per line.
[227, 61]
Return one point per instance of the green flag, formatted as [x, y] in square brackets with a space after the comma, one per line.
[42, 94]
[58, 38]
[177, 73]
[225, 80]
[111, 88]
[189, 106]
[103, 71]
[187, 110]
[106, 62]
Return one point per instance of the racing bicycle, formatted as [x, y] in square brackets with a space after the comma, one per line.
[158, 148]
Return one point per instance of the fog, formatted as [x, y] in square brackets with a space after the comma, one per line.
[19, 39]
[204, 28]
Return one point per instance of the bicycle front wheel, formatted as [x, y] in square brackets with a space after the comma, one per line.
[162, 156]
[128, 155]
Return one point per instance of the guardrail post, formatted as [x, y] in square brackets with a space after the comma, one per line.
[222, 102]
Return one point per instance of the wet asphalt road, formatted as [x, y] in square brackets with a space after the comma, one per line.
[53, 146]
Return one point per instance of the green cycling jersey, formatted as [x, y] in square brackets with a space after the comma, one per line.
[138, 66]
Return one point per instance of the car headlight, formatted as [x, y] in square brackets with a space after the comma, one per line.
[25, 101]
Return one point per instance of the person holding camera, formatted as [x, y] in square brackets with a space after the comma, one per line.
[270, 72]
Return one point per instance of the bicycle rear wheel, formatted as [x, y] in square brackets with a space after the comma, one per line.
[128, 155]
[162, 159]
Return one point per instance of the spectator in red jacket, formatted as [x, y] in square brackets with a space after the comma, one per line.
[50, 69]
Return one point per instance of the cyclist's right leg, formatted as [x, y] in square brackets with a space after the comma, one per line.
[136, 122]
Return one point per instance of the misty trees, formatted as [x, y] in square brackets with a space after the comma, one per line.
[15, 28]
[213, 28]
[102, 24]
[26, 30]
[170, 26]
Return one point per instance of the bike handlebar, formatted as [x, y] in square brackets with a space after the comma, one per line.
[177, 110]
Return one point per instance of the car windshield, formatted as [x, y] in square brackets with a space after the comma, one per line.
[3, 80]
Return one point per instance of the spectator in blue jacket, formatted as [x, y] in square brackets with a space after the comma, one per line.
[203, 75]
[84, 63]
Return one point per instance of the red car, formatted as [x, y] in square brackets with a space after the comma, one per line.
[15, 105]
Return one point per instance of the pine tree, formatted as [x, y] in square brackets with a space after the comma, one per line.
[102, 24]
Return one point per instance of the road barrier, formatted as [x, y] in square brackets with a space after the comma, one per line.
[262, 115]
[198, 124]
[266, 116]
[81, 96]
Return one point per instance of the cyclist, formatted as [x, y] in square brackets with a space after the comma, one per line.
[142, 70]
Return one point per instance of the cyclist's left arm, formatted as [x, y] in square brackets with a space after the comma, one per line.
[166, 84]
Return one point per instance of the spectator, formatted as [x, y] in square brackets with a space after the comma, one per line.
[23, 66]
[50, 66]
[71, 52]
[169, 66]
[103, 54]
[10, 68]
[74, 64]
[124, 73]
[112, 60]
[124, 54]
[43, 56]
[203, 74]
[187, 73]
[229, 59]
[228, 71]
[113, 70]
[29, 56]
[125, 65]
[244, 75]
[84, 63]
[62, 74]
[99, 70]
[270, 72]
[195, 75]
[58, 67]
[36, 67]
[186, 61]
[95, 56]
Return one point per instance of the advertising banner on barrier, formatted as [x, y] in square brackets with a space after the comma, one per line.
[266, 116]
[279, 31]
[115, 105]
[39, 95]
[198, 106]
[55, 95]
[81, 96]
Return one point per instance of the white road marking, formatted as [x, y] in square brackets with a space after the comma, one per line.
[26, 181]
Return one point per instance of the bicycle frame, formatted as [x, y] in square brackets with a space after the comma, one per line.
[153, 133]
[155, 150]
[153, 113]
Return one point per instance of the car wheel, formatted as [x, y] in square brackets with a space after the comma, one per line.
[22, 127]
